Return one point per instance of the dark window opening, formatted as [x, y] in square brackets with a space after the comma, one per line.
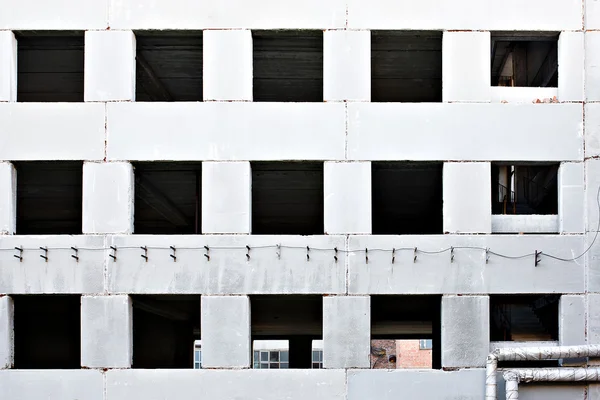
[296, 319]
[524, 189]
[165, 328]
[288, 66]
[407, 198]
[49, 197]
[168, 198]
[287, 198]
[524, 318]
[47, 331]
[406, 66]
[524, 59]
[169, 66]
[406, 332]
[50, 66]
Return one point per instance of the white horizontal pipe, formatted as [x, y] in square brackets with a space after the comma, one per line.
[528, 354]
[515, 376]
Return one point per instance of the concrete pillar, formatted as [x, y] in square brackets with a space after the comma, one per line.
[227, 66]
[593, 318]
[109, 66]
[347, 191]
[347, 65]
[346, 331]
[571, 54]
[8, 199]
[467, 197]
[571, 324]
[7, 344]
[108, 195]
[466, 67]
[225, 326]
[592, 129]
[592, 15]
[226, 197]
[106, 331]
[465, 331]
[592, 66]
[8, 66]
[571, 198]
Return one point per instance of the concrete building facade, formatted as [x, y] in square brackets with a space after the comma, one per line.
[336, 170]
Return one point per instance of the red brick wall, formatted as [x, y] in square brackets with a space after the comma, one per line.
[410, 356]
[381, 350]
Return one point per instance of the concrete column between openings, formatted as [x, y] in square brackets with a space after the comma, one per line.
[225, 331]
[8, 66]
[106, 331]
[7, 344]
[8, 199]
[465, 331]
[108, 197]
[346, 332]
[110, 66]
[570, 198]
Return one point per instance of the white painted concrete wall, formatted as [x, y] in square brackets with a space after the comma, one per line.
[228, 130]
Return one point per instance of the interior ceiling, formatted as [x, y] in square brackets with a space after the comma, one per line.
[406, 66]
[169, 66]
[50, 66]
[49, 197]
[287, 198]
[407, 198]
[288, 65]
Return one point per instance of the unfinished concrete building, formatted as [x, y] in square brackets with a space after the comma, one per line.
[194, 191]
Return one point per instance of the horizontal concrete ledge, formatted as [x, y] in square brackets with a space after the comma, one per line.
[415, 384]
[226, 131]
[465, 131]
[467, 272]
[52, 384]
[521, 94]
[52, 131]
[226, 385]
[54, 15]
[525, 223]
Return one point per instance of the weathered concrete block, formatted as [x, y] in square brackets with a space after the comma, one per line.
[347, 190]
[205, 384]
[8, 199]
[467, 205]
[592, 16]
[346, 331]
[226, 197]
[593, 315]
[592, 129]
[347, 65]
[571, 197]
[108, 196]
[8, 66]
[7, 343]
[571, 322]
[109, 66]
[466, 67]
[106, 331]
[225, 325]
[465, 331]
[592, 179]
[227, 65]
[571, 54]
[52, 131]
[592, 66]
[50, 15]
[416, 384]
[58, 384]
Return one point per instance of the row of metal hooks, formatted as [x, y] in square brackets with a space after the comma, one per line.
[173, 254]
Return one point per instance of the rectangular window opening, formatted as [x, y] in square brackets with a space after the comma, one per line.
[525, 189]
[406, 66]
[405, 332]
[407, 198]
[169, 66]
[168, 198]
[287, 331]
[49, 197]
[50, 66]
[288, 66]
[287, 198]
[524, 59]
[165, 328]
[47, 331]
